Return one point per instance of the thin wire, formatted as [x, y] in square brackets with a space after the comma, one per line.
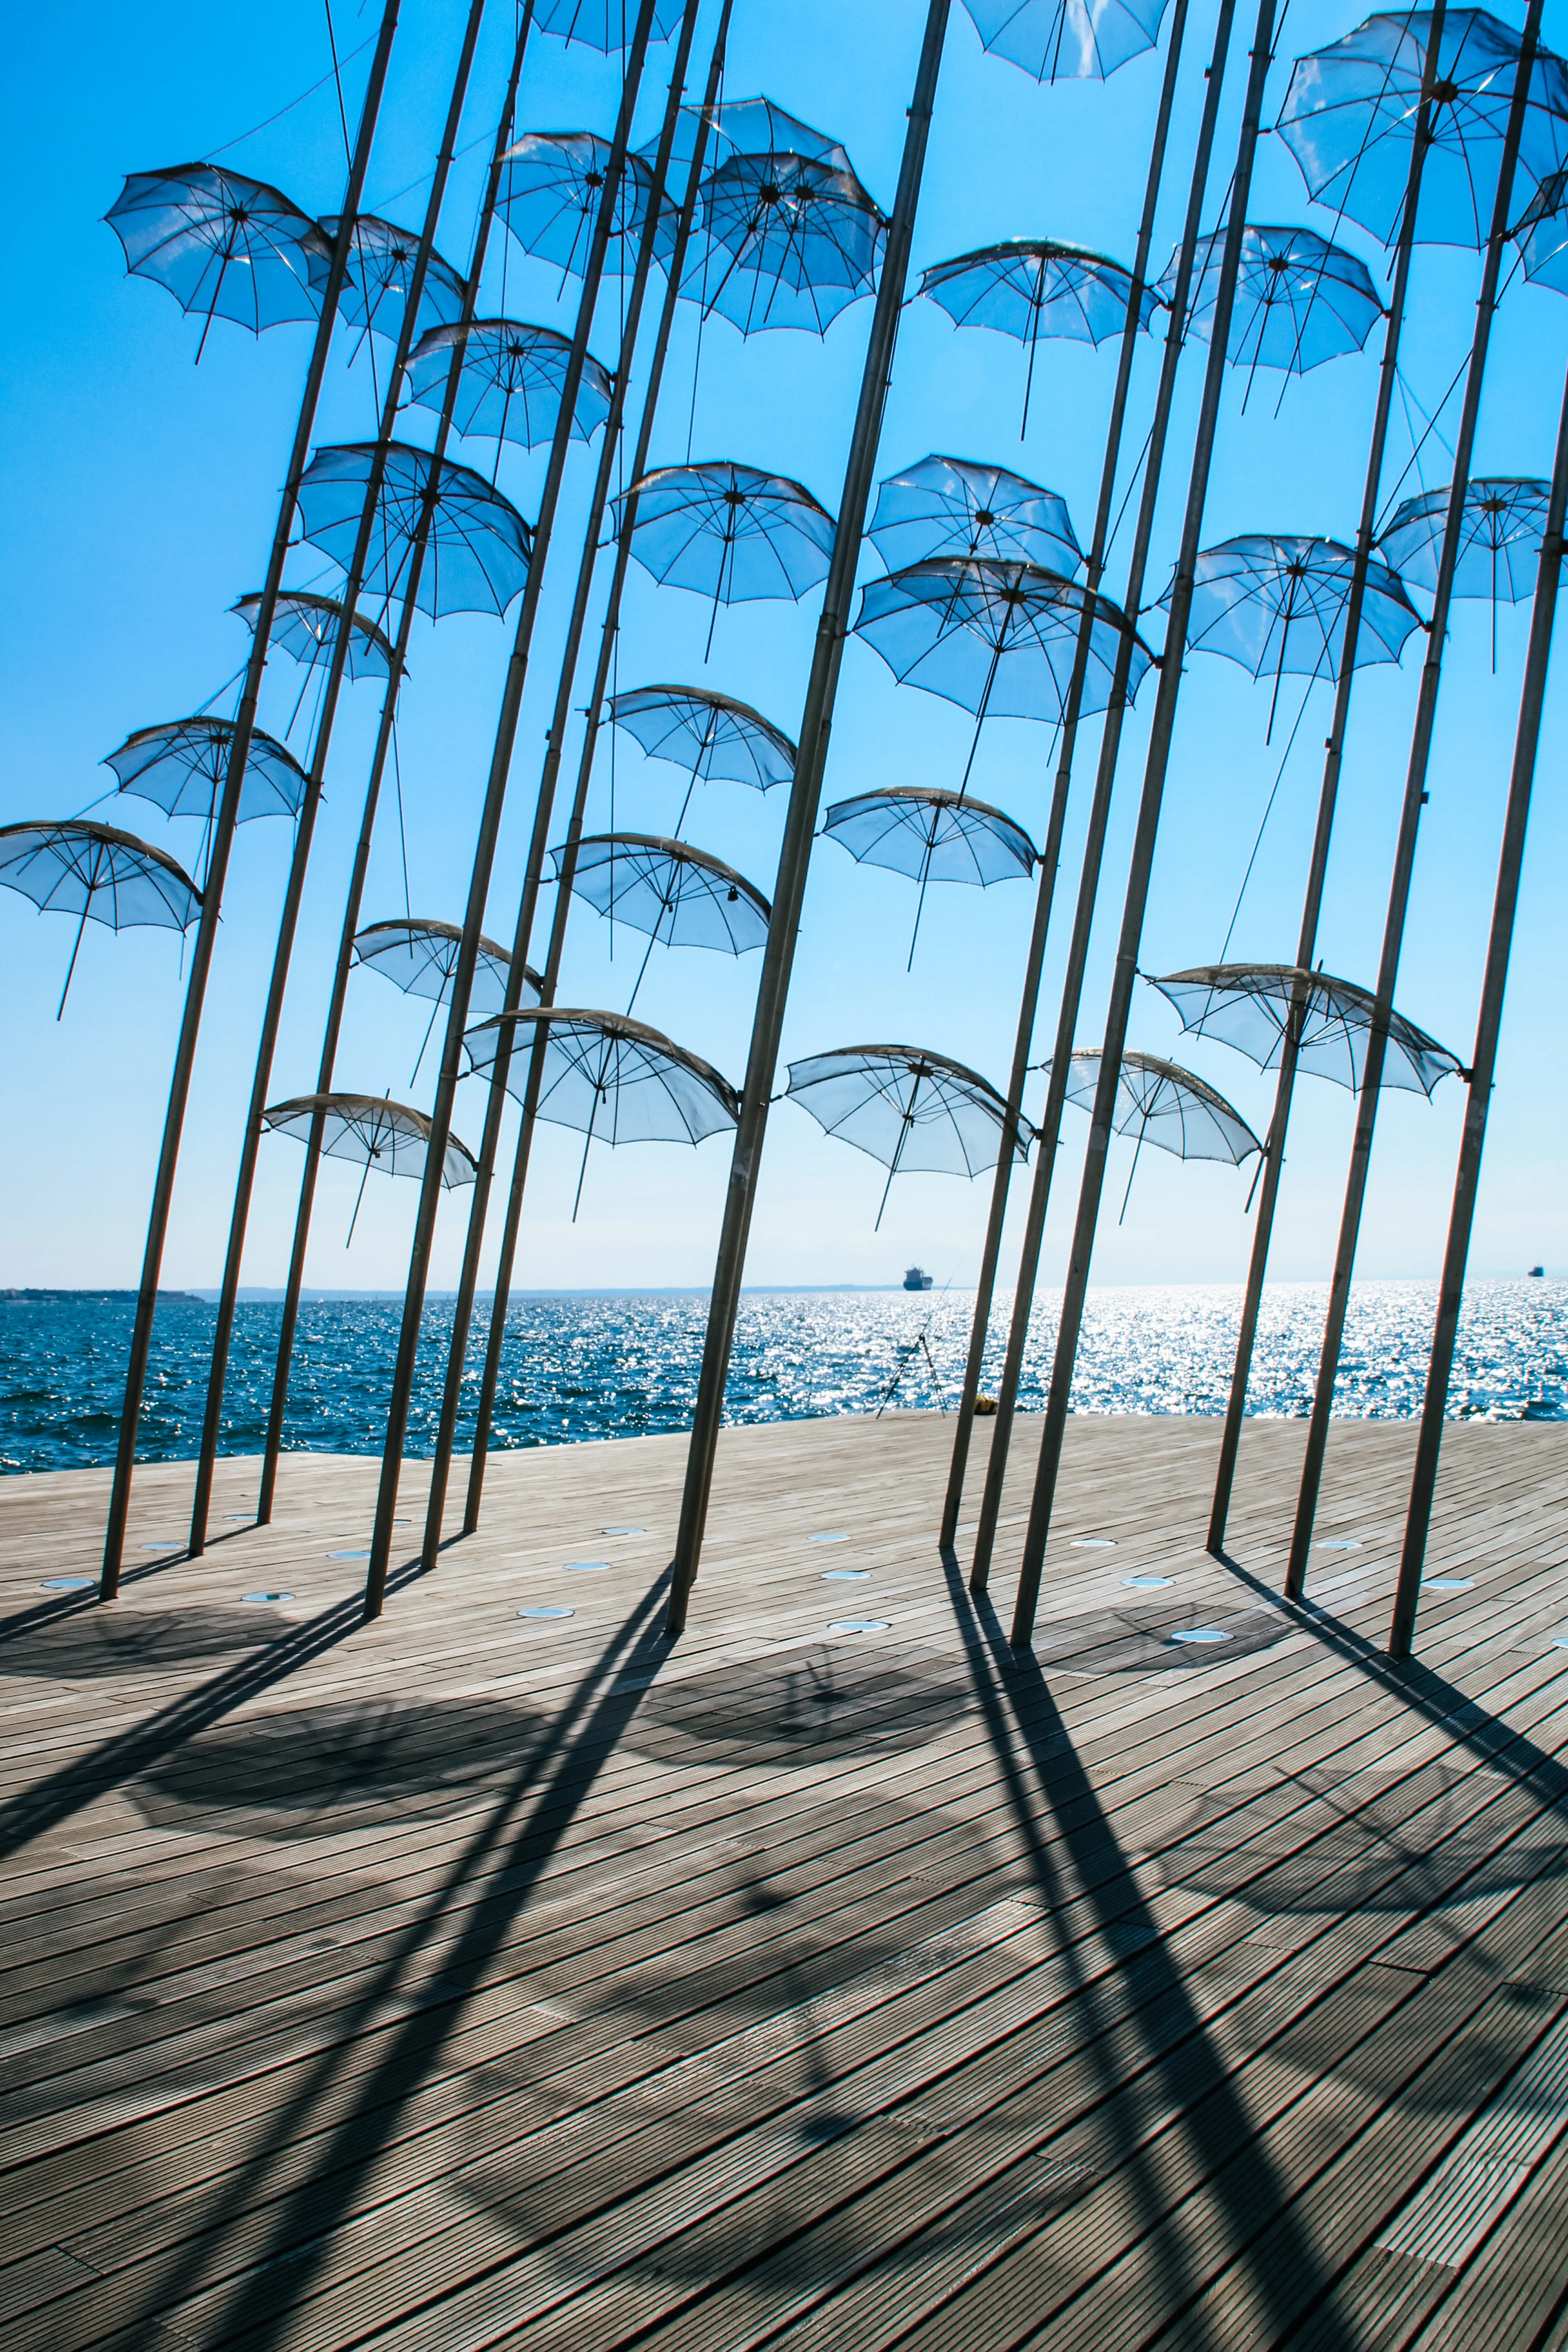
[212, 153]
[338, 79]
[402, 835]
[1236, 911]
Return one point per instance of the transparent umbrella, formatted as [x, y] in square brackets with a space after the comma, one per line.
[180, 765]
[749, 126]
[381, 261]
[603, 25]
[372, 1132]
[1350, 113]
[999, 639]
[510, 384]
[306, 626]
[680, 895]
[1164, 1105]
[788, 241]
[1251, 1006]
[1061, 40]
[550, 197]
[1279, 605]
[709, 735]
[419, 955]
[1034, 289]
[224, 246]
[1502, 525]
[729, 532]
[1299, 300]
[476, 556]
[909, 1108]
[609, 1075]
[932, 836]
[949, 506]
[98, 875]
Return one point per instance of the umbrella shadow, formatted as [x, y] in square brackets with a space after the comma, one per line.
[510, 1847]
[1211, 2111]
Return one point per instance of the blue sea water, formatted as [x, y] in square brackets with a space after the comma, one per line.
[581, 1366]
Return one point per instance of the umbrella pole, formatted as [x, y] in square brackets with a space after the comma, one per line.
[261, 1079]
[920, 902]
[981, 714]
[1033, 347]
[1274, 1157]
[586, 1147]
[1049, 1130]
[1142, 867]
[1409, 826]
[897, 1151]
[979, 1329]
[800, 822]
[59, 1010]
[1450, 1297]
[724, 554]
[386, 739]
[496, 1100]
[1143, 1129]
[222, 834]
[354, 1221]
[653, 942]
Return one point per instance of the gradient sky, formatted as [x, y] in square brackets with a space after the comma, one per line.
[143, 493]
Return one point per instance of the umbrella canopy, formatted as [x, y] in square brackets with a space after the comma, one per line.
[729, 532]
[372, 1132]
[97, 874]
[1033, 288]
[1250, 1006]
[997, 639]
[709, 734]
[420, 956]
[907, 1107]
[608, 1076]
[602, 23]
[1299, 300]
[949, 505]
[1164, 1105]
[224, 246]
[306, 626]
[1061, 40]
[788, 241]
[181, 765]
[749, 126]
[677, 894]
[476, 558]
[381, 272]
[550, 195]
[511, 381]
[1502, 525]
[1279, 605]
[932, 836]
[1350, 114]
[1542, 233]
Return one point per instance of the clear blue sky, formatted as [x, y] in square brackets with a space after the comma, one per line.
[141, 503]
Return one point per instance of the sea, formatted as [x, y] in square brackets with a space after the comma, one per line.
[577, 1366]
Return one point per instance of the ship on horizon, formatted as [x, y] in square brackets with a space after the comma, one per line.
[916, 1279]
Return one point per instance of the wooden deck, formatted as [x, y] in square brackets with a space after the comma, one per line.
[478, 1978]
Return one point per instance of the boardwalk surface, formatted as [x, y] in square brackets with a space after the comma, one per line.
[497, 1974]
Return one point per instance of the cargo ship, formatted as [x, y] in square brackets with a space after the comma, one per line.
[916, 1279]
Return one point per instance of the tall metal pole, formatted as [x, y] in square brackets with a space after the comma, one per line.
[352, 904]
[991, 1251]
[799, 826]
[675, 268]
[496, 1100]
[1409, 825]
[489, 827]
[1306, 944]
[1049, 1131]
[261, 1082]
[1124, 977]
[224, 824]
[1484, 1061]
